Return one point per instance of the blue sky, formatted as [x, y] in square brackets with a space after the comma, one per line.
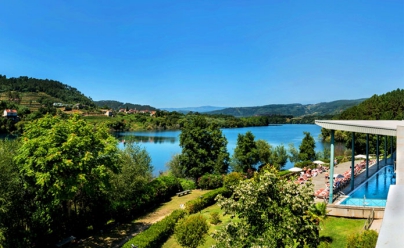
[197, 53]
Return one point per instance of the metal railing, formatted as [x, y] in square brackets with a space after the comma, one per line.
[369, 220]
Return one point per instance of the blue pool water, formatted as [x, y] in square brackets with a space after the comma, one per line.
[373, 193]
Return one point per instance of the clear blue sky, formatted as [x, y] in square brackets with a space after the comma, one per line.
[219, 53]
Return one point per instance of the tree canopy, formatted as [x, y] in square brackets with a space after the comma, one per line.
[65, 165]
[203, 148]
[53, 88]
[306, 148]
[269, 212]
[246, 154]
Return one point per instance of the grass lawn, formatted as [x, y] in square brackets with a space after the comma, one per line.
[337, 230]
[334, 230]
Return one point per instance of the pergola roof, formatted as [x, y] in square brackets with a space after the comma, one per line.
[388, 128]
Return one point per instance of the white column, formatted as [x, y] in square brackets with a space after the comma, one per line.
[400, 156]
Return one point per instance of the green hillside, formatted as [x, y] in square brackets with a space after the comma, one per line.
[388, 106]
[35, 92]
[295, 109]
[116, 105]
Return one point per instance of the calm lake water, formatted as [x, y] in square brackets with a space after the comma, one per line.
[162, 145]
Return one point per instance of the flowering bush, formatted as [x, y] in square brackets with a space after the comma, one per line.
[271, 211]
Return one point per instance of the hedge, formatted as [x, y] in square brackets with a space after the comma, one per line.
[205, 200]
[155, 192]
[210, 181]
[158, 233]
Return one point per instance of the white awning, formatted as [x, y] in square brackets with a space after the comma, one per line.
[388, 128]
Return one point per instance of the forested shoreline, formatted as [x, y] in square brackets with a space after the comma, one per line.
[33, 98]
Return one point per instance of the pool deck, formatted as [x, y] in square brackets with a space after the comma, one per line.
[320, 182]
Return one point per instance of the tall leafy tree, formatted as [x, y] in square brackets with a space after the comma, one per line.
[264, 150]
[293, 153]
[271, 211]
[174, 166]
[65, 165]
[13, 211]
[135, 172]
[246, 155]
[275, 156]
[203, 148]
[306, 148]
[279, 156]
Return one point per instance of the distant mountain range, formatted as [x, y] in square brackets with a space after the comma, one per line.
[295, 109]
[201, 109]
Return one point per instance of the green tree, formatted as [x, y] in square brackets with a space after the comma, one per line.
[306, 148]
[264, 150]
[191, 232]
[293, 153]
[271, 212]
[135, 172]
[246, 154]
[279, 157]
[174, 166]
[203, 148]
[65, 165]
[13, 211]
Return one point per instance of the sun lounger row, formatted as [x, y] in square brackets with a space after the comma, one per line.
[340, 183]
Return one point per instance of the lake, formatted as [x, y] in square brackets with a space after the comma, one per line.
[162, 145]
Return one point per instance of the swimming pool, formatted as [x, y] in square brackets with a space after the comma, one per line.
[373, 192]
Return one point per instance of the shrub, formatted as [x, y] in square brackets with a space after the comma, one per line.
[232, 179]
[366, 239]
[205, 200]
[348, 152]
[302, 164]
[187, 184]
[161, 189]
[215, 218]
[284, 173]
[210, 181]
[191, 232]
[157, 233]
[172, 183]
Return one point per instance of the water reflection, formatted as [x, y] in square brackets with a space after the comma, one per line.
[124, 138]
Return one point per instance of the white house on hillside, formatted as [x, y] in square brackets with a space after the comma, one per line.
[10, 113]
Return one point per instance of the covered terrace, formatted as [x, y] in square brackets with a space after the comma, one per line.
[393, 222]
